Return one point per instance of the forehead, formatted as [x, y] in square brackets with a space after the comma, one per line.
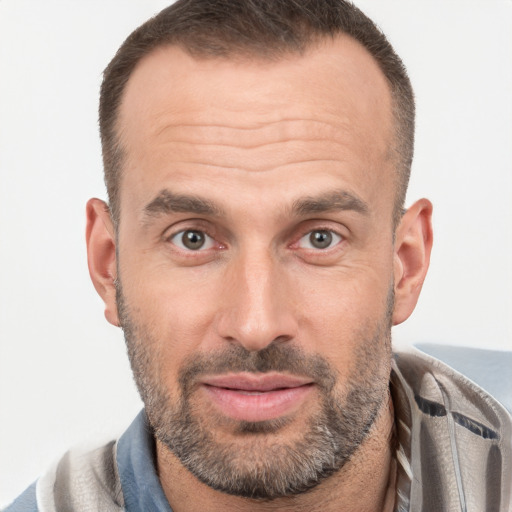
[254, 116]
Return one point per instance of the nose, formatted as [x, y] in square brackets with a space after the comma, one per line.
[257, 303]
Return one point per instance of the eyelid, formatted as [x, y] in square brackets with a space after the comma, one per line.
[188, 224]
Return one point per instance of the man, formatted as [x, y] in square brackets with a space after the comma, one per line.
[256, 253]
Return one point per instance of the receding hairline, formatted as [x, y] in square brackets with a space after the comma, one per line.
[256, 29]
[249, 58]
[243, 58]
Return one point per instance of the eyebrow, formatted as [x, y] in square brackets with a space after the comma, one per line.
[167, 202]
[330, 201]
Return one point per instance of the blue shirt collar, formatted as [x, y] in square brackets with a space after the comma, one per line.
[136, 464]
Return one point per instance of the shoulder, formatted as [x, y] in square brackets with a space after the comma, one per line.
[454, 436]
[489, 369]
[80, 481]
[453, 384]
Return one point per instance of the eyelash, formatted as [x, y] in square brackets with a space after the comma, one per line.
[210, 241]
[335, 240]
[177, 240]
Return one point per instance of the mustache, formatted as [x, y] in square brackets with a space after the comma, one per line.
[276, 357]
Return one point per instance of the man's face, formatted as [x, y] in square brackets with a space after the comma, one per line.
[255, 259]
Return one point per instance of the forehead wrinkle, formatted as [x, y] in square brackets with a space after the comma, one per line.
[254, 134]
[172, 155]
[259, 169]
[249, 146]
[253, 152]
[268, 119]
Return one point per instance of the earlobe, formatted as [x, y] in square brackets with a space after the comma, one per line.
[101, 255]
[413, 246]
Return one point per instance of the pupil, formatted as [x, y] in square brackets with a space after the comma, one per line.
[320, 239]
[193, 239]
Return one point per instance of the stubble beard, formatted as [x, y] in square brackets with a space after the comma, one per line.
[263, 467]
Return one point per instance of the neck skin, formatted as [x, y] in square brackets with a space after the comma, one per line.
[365, 484]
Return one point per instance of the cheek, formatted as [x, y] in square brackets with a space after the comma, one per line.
[175, 306]
[343, 312]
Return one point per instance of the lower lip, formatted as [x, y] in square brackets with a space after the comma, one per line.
[246, 406]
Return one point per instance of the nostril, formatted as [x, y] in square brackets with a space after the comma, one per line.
[282, 339]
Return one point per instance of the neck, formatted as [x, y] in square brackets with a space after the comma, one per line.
[366, 483]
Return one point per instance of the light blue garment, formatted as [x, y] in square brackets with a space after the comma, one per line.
[116, 477]
[136, 462]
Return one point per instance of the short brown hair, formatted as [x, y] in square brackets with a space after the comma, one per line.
[266, 28]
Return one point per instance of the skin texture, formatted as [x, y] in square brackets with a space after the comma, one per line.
[258, 155]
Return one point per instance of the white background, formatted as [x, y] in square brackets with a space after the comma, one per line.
[64, 377]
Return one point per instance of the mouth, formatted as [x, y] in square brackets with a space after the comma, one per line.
[257, 397]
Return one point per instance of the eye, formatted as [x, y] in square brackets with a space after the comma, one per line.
[192, 240]
[319, 239]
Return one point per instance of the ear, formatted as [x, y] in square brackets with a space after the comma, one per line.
[101, 255]
[413, 244]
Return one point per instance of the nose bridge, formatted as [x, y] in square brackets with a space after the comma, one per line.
[257, 309]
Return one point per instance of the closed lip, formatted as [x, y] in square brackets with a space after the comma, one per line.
[256, 397]
[256, 382]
